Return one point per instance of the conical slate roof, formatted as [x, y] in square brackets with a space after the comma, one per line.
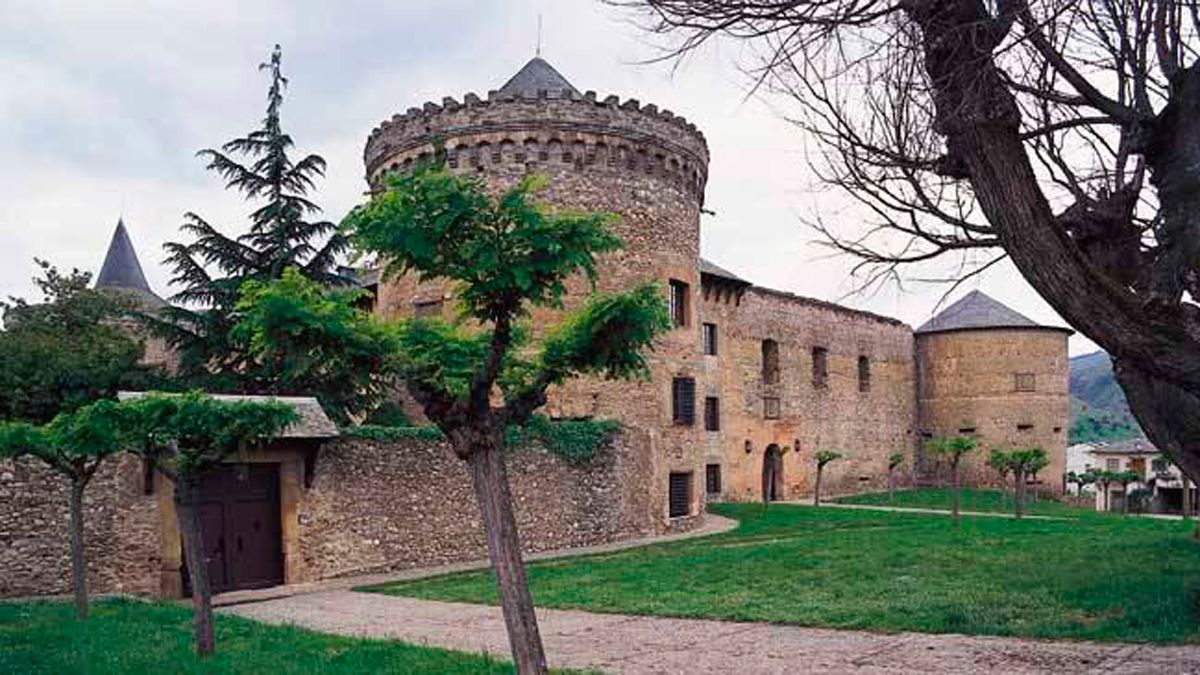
[122, 270]
[977, 310]
[536, 75]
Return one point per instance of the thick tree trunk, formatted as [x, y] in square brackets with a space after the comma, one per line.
[817, 487]
[187, 501]
[1019, 494]
[78, 566]
[504, 550]
[954, 491]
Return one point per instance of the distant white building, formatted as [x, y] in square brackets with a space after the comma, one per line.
[1141, 457]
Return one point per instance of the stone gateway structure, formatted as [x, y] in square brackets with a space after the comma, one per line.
[745, 389]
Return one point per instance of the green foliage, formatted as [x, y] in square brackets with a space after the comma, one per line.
[442, 357]
[212, 267]
[824, 457]
[389, 413]
[306, 339]
[187, 433]
[66, 351]
[951, 447]
[887, 572]
[895, 460]
[382, 434]
[75, 443]
[503, 252]
[999, 462]
[576, 441]
[131, 636]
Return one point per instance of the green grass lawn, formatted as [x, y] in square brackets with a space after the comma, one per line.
[989, 501]
[129, 636]
[1089, 577]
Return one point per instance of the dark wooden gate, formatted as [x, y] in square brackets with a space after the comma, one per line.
[240, 527]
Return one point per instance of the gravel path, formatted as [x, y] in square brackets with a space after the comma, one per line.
[629, 644]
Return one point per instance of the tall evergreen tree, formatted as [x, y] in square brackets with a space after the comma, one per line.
[283, 233]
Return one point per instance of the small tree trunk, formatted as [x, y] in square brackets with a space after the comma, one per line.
[954, 491]
[817, 487]
[1187, 495]
[1019, 498]
[891, 486]
[78, 566]
[504, 550]
[1125, 499]
[187, 493]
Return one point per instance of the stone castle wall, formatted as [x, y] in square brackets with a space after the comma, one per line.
[967, 384]
[373, 507]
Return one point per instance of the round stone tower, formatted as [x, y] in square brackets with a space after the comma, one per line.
[648, 166]
[986, 371]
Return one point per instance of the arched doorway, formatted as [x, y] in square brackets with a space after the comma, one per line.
[772, 474]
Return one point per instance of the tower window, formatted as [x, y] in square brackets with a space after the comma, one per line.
[710, 339]
[712, 413]
[770, 362]
[683, 401]
[1024, 382]
[712, 479]
[1024, 427]
[679, 303]
[864, 373]
[820, 367]
[771, 408]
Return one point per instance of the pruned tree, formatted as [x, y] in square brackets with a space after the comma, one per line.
[75, 445]
[894, 461]
[1022, 463]
[998, 461]
[283, 234]
[822, 458]
[1080, 480]
[184, 436]
[952, 449]
[1061, 134]
[1104, 479]
[475, 377]
[1125, 479]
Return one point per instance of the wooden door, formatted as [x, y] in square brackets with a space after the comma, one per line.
[240, 526]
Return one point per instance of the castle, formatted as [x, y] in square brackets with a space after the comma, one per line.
[751, 381]
[748, 385]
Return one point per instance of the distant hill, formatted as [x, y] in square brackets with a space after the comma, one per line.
[1099, 411]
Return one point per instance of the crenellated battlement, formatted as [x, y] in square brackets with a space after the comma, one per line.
[560, 127]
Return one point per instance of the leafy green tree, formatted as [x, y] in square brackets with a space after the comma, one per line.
[895, 460]
[67, 350]
[1103, 480]
[822, 458]
[308, 339]
[1125, 479]
[1021, 463]
[998, 461]
[1080, 480]
[953, 449]
[74, 445]
[213, 266]
[476, 377]
[184, 436]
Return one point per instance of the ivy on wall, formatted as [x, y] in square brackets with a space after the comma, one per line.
[576, 441]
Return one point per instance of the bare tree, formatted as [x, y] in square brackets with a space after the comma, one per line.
[1062, 134]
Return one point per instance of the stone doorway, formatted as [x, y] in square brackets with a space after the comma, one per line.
[772, 474]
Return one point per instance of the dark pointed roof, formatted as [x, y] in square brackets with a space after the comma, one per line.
[713, 269]
[977, 310]
[122, 270]
[536, 75]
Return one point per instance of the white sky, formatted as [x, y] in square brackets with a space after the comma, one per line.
[102, 109]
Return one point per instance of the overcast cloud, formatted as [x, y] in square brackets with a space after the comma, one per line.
[104, 104]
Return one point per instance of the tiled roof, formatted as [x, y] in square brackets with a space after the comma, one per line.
[313, 422]
[977, 310]
[536, 75]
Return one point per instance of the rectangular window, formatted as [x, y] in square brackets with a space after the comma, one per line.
[679, 303]
[1024, 382]
[679, 494]
[427, 308]
[820, 367]
[712, 414]
[864, 373]
[1024, 427]
[683, 400]
[966, 431]
[710, 339]
[1112, 464]
[712, 479]
[771, 408]
[770, 362]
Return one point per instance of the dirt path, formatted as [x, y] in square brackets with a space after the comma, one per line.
[628, 644]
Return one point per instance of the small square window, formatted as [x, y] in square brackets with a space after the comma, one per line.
[710, 339]
[771, 408]
[679, 303]
[1024, 382]
[1112, 464]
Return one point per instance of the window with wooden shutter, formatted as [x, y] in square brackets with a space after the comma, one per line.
[683, 400]
[679, 495]
[864, 373]
[820, 367]
[712, 479]
[678, 301]
[712, 413]
[710, 339]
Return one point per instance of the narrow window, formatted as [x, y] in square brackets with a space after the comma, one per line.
[679, 494]
[427, 308]
[710, 339]
[1024, 427]
[771, 408]
[770, 362]
[679, 303]
[683, 400]
[1024, 382]
[820, 367]
[712, 479]
[712, 413]
[864, 373]
[966, 431]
